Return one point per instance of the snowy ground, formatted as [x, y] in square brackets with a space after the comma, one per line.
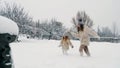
[46, 54]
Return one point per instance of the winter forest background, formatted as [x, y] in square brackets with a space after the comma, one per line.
[47, 29]
[37, 45]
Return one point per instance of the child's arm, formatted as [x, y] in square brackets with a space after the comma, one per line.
[92, 32]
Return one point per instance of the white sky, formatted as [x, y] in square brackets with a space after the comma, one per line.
[102, 12]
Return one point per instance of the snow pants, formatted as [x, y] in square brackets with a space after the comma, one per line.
[85, 49]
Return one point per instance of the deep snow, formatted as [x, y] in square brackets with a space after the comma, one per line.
[46, 54]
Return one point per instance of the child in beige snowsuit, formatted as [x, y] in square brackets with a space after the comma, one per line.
[65, 43]
[83, 34]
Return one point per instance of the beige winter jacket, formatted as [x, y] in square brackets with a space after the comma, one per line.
[65, 44]
[84, 35]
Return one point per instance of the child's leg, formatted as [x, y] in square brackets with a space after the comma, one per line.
[86, 50]
[81, 50]
[65, 52]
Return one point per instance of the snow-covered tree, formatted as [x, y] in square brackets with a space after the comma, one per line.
[57, 29]
[17, 14]
[99, 31]
[50, 29]
[41, 30]
[106, 32]
[82, 18]
[114, 29]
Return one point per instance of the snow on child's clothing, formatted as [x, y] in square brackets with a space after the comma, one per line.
[84, 35]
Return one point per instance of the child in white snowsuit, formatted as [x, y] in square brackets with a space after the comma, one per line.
[83, 34]
[65, 43]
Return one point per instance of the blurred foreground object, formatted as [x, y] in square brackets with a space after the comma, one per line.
[8, 33]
